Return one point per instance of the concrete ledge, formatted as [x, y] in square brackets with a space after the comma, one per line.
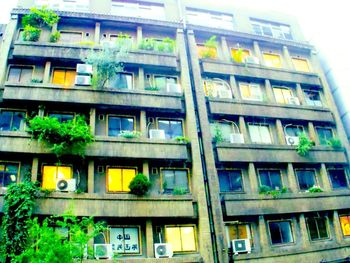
[229, 152]
[128, 98]
[269, 110]
[76, 52]
[175, 259]
[258, 71]
[239, 205]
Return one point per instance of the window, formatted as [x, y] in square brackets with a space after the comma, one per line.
[250, 91]
[234, 54]
[313, 98]
[9, 173]
[125, 240]
[317, 227]
[217, 88]
[20, 74]
[306, 178]
[65, 5]
[181, 238]
[62, 117]
[272, 60]
[118, 179]
[324, 134]
[118, 124]
[282, 94]
[238, 231]
[121, 81]
[173, 179]
[293, 130]
[225, 128]
[259, 133]
[51, 174]
[271, 178]
[71, 37]
[12, 120]
[271, 29]
[172, 128]
[138, 9]
[65, 77]
[161, 82]
[338, 178]
[345, 224]
[230, 180]
[209, 19]
[207, 52]
[301, 64]
[280, 232]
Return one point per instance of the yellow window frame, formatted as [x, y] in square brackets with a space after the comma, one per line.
[272, 60]
[239, 58]
[123, 187]
[301, 64]
[50, 183]
[181, 228]
[65, 83]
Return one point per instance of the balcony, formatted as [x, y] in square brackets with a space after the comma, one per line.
[268, 153]
[269, 110]
[257, 71]
[19, 142]
[76, 52]
[128, 98]
[245, 205]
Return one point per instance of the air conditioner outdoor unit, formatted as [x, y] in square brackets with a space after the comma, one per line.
[156, 134]
[292, 140]
[251, 60]
[173, 87]
[236, 138]
[241, 246]
[163, 250]
[83, 80]
[293, 100]
[84, 69]
[225, 94]
[66, 185]
[103, 251]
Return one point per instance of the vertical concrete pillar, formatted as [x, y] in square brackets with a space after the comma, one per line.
[90, 243]
[269, 91]
[97, 33]
[243, 129]
[264, 242]
[300, 94]
[41, 111]
[292, 180]
[54, 28]
[139, 35]
[35, 168]
[91, 177]
[337, 227]
[149, 239]
[145, 168]
[140, 80]
[253, 179]
[234, 88]
[288, 60]
[47, 72]
[303, 231]
[257, 52]
[225, 50]
[143, 124]
[326, 184]
[93, 120]
[280, 132]
[312, 133]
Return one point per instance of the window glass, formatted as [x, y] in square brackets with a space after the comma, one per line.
[206, 52]
[162, 81]
[324, 134]
[251, 91]
[301, 64]
[12, 120]
[338, 178]
[51, 174]
[20, 74]
[217, 88]
[118, 179]
[71, 37]
[225, 129]
[118, 124]
[259, 133]
[182, 238]
[174, 179]
[205, 18]
[272, 60]
[271, 29]
[244, 53]
[280, 232]
[172, 128]
[313, 98]
[282, 95]
[230, 180]
[62, 117]
[65, 5]
[125, 240]
[9, 173]
[317, 228]
[271, 178]
[306, 179]
[345, 224]
[65, 77]
[138, 9]
[294, 130]
[121, 81]
[238, 231]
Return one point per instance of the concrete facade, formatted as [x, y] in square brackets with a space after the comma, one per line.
[208, 207]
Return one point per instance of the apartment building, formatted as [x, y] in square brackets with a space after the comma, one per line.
[241, 102]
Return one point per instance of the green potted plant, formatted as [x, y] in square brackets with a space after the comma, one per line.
[304, 145]
[139, 185]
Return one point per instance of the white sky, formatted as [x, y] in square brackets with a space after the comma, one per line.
[323, 24]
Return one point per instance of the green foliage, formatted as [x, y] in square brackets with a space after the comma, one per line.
[37, 81]
[180, 191]
[304, 145]
[182, 139]
[266, 190]
[334, 143]
[139, 185]
[87, 43]
[218, 135]
[238, 56]
[40, 17]
[69, 137]
[210, 47]
[147, 44]
[108, 61]
[124, 40]
[54, 37]
[18, 207]
[167, 45]
[31, 33]
[152, 88]
[315, 189]
[130, 134]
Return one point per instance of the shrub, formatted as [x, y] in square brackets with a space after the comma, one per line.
[37, 81]
[334, 143]
[31, 33]
[315, 189]
[130, 134]
[266, 190]
[54, 37]
[140, 185]
[210, 47]
[182, 139]
[218, 135]
[304, 145]
[238, 56]
[147, 44]
[152, 88]
[180, 191]
[167, 45]
[40, 17]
